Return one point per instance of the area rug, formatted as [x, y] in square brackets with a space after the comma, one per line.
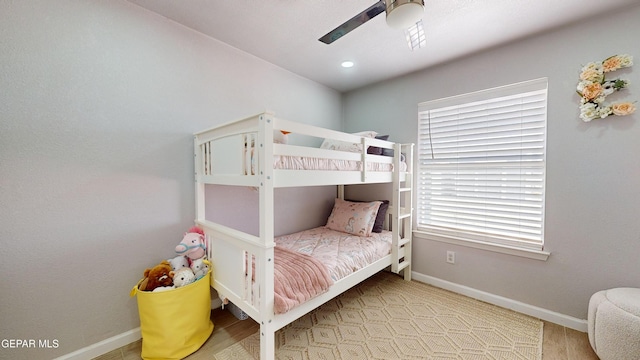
[388, 318]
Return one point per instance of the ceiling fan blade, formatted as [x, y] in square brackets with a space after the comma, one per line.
[354, 22]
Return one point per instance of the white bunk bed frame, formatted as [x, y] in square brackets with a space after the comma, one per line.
[228, 248]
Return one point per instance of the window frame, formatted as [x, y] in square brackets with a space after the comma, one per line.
[532, 249]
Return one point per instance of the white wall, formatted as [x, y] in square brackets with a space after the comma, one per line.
[98, 101]
[593, 169]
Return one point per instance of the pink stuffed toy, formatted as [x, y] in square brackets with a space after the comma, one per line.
[193, 244]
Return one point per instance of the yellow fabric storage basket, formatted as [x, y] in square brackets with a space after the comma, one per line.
[174, 323]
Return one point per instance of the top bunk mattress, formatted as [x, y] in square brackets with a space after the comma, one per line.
[342, 253]
[284, 162]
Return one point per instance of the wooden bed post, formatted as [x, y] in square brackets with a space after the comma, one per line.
[265, 262]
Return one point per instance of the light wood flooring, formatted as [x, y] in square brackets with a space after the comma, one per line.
[559, 343]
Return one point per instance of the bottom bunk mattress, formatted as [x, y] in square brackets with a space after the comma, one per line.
[307, 263]
[341, 253]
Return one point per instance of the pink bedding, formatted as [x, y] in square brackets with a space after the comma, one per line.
[307, 263]
[297, 278]
[340, 252]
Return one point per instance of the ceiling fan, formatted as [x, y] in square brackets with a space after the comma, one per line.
[400, 15]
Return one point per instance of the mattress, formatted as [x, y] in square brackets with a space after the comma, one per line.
[310, 163]
[341, 253]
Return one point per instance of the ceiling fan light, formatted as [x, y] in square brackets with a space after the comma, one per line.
[404, 13]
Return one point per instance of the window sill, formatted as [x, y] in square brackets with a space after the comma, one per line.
[527, 253]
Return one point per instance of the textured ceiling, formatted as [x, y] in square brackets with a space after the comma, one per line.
[286, 32]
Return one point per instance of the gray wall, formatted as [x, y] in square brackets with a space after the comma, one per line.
[593, 169]
[98, 101]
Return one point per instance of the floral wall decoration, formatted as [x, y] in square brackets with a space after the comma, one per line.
[594, 87]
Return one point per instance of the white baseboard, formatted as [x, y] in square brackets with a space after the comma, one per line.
[104, 346]
[537, 312]
[115, 342]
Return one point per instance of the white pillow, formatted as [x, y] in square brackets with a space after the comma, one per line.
[347, 146]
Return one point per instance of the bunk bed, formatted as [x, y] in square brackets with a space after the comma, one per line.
[247, 153]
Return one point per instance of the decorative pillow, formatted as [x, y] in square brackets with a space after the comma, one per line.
[382, 212]
[355, 218]
[347, 146]
[377, 150]
[378, 225]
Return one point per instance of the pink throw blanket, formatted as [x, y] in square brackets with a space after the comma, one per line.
[297, 278]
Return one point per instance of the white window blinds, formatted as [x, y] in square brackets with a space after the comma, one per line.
[482, 166]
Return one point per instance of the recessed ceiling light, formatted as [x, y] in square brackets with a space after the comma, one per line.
[347, 64]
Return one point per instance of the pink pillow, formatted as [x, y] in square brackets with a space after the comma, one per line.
[355, 218]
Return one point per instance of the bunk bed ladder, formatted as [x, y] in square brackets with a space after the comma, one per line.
[402, 218]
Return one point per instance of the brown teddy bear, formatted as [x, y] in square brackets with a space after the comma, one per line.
[159, 275]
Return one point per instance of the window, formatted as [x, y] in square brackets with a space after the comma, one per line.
[481, 171]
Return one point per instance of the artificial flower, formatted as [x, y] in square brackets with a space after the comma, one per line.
[591, 74]
[592, 91]
[616, 62]
[622, 109]
[588, 112]
[597, 66]
[604, 111]
[593, 88]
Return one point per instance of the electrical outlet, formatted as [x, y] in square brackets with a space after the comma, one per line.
[451, 257]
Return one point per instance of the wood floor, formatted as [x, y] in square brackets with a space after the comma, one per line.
[559, 343]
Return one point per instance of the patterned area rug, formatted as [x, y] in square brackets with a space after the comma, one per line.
[388, 318]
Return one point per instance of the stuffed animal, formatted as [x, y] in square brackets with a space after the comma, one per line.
[200, 268]
[192, 244]
[157, 276]
[163, 288]
[179, 262]
[183, 277]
